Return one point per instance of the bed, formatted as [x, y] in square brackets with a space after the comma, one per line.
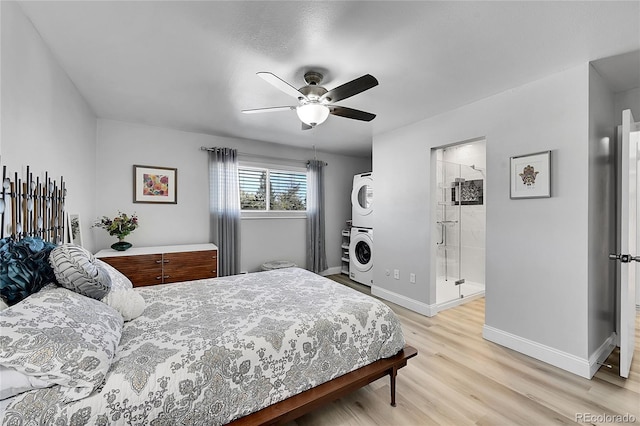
[257, 348]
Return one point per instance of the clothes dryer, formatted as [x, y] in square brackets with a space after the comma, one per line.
[360, 260]
[362, 200]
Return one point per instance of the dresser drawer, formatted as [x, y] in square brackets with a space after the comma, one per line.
[187, 266]
[141, 270]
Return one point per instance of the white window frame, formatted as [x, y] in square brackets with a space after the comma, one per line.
[273, 214]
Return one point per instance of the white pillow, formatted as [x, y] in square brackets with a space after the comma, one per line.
[122, 297]
[128, 302]
[119, 281]
[61, 337]
[13, 382]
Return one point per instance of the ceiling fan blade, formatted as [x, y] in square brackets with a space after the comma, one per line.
[355, 114]
[351, 88]
[305, 126]
[270, 109]
[279, 83]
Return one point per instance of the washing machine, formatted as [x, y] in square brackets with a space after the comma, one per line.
[360, 260]
[362, 200]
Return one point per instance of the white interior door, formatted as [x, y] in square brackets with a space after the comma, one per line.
[628, 255]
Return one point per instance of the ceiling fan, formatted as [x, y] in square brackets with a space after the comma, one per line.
[315, 103]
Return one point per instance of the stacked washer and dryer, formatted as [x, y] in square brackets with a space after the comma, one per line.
[361, 241]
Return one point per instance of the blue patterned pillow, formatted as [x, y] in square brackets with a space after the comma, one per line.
[24, 267]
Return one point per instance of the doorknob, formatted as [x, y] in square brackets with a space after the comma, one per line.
[624, 258]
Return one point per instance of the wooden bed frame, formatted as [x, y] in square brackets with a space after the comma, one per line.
[307, 401]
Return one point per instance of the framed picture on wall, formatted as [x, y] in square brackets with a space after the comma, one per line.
[531, 175]
[156, 185]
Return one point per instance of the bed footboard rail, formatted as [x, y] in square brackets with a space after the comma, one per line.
[305, 402]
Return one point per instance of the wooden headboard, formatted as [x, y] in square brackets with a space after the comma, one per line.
[32, 206]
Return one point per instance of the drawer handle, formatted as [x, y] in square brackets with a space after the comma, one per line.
[165, 261]
[158, 261]
[165, 277]
[158, 278]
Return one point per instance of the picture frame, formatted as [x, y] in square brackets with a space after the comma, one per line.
[74, 229]
[155, 185]
[531, 175]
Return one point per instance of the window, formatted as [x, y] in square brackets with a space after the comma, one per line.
[263, 189]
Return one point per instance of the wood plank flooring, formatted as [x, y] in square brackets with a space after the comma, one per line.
[458, 378]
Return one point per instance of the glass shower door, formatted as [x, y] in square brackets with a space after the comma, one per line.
[460, 223]
[448, 266]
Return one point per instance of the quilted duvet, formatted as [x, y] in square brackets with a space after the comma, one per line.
[210, 351]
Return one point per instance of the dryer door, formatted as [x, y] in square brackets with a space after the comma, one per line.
[362, 195]
[360, 251]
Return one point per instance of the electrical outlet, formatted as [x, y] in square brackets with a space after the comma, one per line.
[396, 274]
[412, 278]
[387, 272]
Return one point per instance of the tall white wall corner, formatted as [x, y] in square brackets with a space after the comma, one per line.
[555, 357]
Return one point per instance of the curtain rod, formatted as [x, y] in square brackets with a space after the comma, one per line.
[263, 157]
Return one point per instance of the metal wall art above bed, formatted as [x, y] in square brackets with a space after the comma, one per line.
[33, 207]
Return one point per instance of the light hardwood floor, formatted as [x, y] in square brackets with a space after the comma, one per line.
[458, 378]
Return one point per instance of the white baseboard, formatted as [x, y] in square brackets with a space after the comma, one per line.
[399, 299]
[457, 302]
[332, 271]
[555, 357]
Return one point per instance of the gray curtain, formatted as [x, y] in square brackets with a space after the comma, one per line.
[316, 253]
[225, 208]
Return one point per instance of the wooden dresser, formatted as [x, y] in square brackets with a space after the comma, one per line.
[164, 264]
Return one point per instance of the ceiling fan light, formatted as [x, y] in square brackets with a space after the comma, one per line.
[312, 114]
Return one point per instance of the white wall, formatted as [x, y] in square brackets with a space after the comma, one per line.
[276, 239]
[536, 268]
[46, 124]
[121, 145]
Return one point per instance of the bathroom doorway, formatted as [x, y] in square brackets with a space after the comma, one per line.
[460, 223]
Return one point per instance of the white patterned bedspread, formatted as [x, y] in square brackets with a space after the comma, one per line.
[210, 351]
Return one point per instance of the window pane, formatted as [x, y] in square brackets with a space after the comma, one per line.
[253, 188]
[288, 190]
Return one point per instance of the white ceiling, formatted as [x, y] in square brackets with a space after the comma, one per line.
[192, 65]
